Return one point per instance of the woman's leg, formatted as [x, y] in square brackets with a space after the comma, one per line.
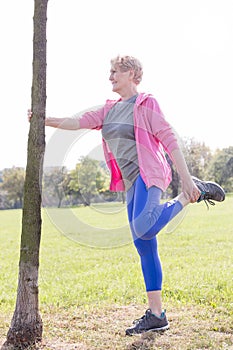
[149, 216]
[148, 252]
[145, 210]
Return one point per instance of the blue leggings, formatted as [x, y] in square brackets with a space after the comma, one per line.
[147, 217]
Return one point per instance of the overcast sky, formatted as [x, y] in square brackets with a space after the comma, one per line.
[186, 48]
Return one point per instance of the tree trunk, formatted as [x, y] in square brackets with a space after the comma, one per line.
[26, 325]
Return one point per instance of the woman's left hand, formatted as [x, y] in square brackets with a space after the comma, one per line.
[190, 190]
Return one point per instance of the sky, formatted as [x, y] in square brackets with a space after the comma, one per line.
[185, 46]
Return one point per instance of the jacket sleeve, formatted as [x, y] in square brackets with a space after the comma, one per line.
[92, 119]
[160, 128]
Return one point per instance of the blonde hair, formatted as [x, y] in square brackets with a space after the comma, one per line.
[126, 63]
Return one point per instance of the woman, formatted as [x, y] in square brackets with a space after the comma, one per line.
[135, 139]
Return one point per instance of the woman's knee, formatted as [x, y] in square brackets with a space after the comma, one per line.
[145, 226]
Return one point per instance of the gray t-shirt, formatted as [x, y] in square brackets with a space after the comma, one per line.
[118, 132]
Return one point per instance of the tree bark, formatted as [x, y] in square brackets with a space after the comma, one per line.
[26, 325]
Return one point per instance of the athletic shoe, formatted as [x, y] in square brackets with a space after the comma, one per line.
[210, 191]
[149, 323]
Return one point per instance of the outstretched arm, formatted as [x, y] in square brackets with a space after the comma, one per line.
[63, 123]
[60, 123]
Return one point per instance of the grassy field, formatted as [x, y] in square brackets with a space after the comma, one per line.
[91, 286]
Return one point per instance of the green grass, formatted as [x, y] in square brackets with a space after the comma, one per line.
[77, 273]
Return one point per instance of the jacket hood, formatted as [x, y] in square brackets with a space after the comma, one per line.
[142, 96]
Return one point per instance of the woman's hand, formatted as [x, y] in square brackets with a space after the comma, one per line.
[190, 190]
[29, 114]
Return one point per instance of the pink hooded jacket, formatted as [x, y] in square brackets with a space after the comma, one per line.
[153, 135]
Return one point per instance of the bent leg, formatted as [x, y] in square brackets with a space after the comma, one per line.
[149, 216]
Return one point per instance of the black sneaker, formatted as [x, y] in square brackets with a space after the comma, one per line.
[148, 323]
[210, 191]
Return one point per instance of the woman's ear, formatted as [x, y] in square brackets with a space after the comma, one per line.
[131, 74]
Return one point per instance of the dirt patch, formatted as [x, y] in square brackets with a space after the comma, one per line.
[190, 329]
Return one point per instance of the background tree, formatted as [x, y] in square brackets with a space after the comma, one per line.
[198, 157]
[26, 325]
[221, 168]
[88, 172]
[54, 186]
[74, 186]
[173, 189]
[13, 184]
[88, 179]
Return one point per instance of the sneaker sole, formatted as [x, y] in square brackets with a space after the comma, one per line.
[161, 329]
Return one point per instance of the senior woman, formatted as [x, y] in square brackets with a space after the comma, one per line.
[135, 139]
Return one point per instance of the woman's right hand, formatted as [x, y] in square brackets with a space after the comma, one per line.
[29, 114]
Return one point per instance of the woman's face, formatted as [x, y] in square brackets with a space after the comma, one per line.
[120, 80]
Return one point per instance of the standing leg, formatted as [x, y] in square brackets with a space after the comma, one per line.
[147, 249]
[154, 319]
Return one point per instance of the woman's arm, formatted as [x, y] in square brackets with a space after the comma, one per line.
[189, 188]
[63, 123]
[167, 136]
[92, 119]
[60, 123]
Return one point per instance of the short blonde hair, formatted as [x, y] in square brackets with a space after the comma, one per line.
[126, 63]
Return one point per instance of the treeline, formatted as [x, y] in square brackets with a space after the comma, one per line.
[89, 181]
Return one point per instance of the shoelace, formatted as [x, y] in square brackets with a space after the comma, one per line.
[141, 318]
[206, 200]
